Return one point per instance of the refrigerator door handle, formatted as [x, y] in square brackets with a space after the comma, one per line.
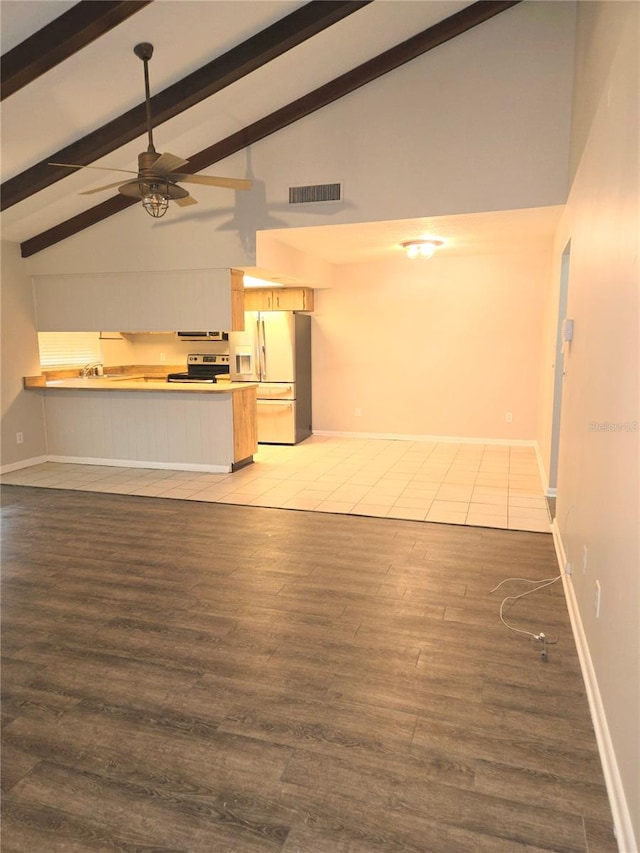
[264, 354]
[258, 346]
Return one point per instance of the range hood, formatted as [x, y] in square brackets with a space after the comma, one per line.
[203, 336]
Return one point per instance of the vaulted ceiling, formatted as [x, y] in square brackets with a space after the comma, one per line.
[224, 74]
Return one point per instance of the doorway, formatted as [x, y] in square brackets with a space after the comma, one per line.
[558, 375]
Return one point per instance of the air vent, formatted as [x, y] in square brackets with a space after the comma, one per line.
[315, 193]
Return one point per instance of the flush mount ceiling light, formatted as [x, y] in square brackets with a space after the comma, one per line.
[421, 248]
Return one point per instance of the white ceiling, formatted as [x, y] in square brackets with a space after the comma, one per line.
[20, 19]
[105, 79]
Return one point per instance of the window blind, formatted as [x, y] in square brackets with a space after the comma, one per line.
[68, 349]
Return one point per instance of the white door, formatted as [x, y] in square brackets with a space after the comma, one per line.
[558, 374]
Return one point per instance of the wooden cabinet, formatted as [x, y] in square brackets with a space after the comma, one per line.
[293, 299]
[278, 299]
[245, 425]
[163, 301]
[258, 299]
[237, 301]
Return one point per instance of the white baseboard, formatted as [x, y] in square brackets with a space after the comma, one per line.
[24, 463]
[619, 807]
[449, 439]
[544, 476]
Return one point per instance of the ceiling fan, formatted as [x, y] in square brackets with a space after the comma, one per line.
[156, 181]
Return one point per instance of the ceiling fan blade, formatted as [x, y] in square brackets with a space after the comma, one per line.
[101, 168]
[100, 189]
[186, 201]
[212, 181]
[168, 163]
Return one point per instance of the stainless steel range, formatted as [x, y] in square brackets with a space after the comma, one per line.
[202, 367]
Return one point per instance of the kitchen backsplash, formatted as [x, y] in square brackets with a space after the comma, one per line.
[155, 349]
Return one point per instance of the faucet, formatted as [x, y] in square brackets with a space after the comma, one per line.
[92, 369]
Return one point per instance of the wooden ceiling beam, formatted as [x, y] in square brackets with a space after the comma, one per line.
[428, 39]
[60, 39]
[241, 60]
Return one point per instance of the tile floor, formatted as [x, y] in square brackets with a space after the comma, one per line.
[475, 484]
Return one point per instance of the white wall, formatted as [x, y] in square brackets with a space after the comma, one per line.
[480, 123]
[22, 410]
[598, 476]
[288, 262]
[445, 346]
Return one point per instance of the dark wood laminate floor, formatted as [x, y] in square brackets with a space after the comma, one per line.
[213, 678]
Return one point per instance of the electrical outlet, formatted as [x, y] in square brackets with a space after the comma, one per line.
[597, 599]
[19, 438]
[585, 556]
[508, 416]
[358, 412]
[163, 356]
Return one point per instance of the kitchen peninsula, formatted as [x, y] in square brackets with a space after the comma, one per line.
[133, 420]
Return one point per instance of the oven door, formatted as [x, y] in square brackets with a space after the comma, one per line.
[206, 372]
[276, 421]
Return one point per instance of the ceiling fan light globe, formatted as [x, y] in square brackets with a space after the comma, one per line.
[156, 204]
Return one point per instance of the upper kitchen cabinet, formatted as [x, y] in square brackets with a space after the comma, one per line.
[278, 299]
[140, 301]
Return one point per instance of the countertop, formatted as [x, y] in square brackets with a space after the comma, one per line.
[132, 383]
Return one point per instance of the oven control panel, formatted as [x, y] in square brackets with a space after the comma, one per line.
[207, 358]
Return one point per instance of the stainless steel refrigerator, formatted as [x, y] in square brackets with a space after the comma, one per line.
[275, 351]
